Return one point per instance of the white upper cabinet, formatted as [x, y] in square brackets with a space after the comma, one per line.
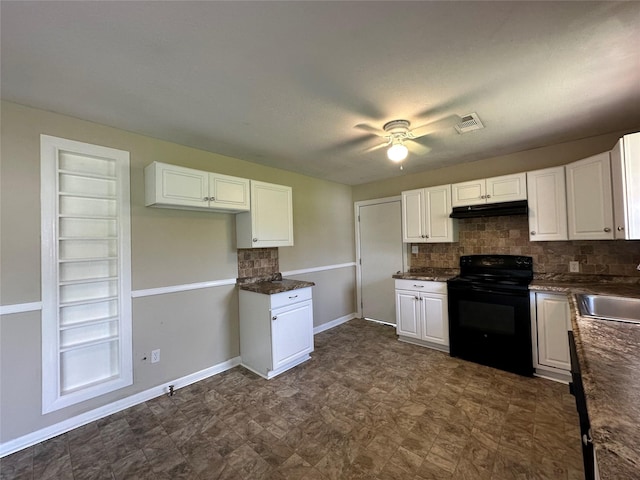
[270, 221]
[547, 199]
[425, 216]
[171, 186]
[625, 173]
[589, 202]
[506, 188]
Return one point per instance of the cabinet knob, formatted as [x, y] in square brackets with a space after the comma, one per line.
[255, 239]
[483, 196]
[533, 233]
[417, 298]
[487, 196]
[426, 236]
[274, 318]
[206, 199]
[213, 199]
[620, 229]
[607, 229]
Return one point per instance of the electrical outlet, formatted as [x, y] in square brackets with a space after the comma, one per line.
[155, 356]
[574, 267]
[414, 249]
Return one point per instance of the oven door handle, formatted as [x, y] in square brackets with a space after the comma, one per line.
[520, 293]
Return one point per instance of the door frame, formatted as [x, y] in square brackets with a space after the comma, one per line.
[405, 258]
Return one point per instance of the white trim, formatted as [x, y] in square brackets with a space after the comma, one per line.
[380, 322]
[181, 288]
[319, 269]
[147, 292]
[51, 431]
[53, 396]
[20, 308]
[553, 376]
[334, 323]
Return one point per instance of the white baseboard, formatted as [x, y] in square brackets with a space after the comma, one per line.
[51, 431]
[334, 323]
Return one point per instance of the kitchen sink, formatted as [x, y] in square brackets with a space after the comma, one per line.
[609, 308]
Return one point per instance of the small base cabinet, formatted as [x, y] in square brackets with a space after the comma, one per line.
[276, 331]
[551, 322]
[421, 313]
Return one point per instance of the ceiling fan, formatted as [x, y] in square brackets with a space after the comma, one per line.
[397, 132]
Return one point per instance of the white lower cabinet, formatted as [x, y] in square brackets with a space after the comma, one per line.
[551, 320]
[276, 331]
[422, 314]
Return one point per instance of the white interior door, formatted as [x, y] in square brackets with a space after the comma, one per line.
[381, 255]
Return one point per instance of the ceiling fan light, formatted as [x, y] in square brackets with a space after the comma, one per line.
[397, 152]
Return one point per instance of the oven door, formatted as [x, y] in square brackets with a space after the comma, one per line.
[491, 325]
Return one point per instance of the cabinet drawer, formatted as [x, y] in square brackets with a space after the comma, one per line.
[290, 297]
[422, 286]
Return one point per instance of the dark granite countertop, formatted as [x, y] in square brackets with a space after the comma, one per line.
[428, 274]
[609, 355]
[595, 284]
[271, 284]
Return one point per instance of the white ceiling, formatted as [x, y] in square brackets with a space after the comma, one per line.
[285, 83]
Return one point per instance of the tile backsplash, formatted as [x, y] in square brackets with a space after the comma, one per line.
[509, 235]
[257, 262]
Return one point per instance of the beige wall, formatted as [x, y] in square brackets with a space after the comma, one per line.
[194, 329]
[528, 160]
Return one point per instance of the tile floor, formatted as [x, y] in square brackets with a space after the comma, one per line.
[365, 407]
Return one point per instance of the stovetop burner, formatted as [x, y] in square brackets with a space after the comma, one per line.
[496, 269]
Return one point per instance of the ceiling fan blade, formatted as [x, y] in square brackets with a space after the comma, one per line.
[418, 149]
[375, 147]
[371, 129]
[443, 123]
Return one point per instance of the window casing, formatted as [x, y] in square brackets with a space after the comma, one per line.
[86, 271]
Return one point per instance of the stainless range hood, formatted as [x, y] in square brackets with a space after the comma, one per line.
[518, 207]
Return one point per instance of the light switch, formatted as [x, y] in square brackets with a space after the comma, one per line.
[414, 249]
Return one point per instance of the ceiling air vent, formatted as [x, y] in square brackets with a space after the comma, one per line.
[469, 123]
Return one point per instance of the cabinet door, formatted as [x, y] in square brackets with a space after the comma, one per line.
[553, 322]
[547, 199]
[434, 318]
[440, 227]
[507, 188]
[625, 178]
[292, 333]
[271, 215]
[181, 186]
[468, 193]
[413, 215]
[227, 192]
[589, 203]
[408, 314]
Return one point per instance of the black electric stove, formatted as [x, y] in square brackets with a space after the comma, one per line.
[489, 312]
